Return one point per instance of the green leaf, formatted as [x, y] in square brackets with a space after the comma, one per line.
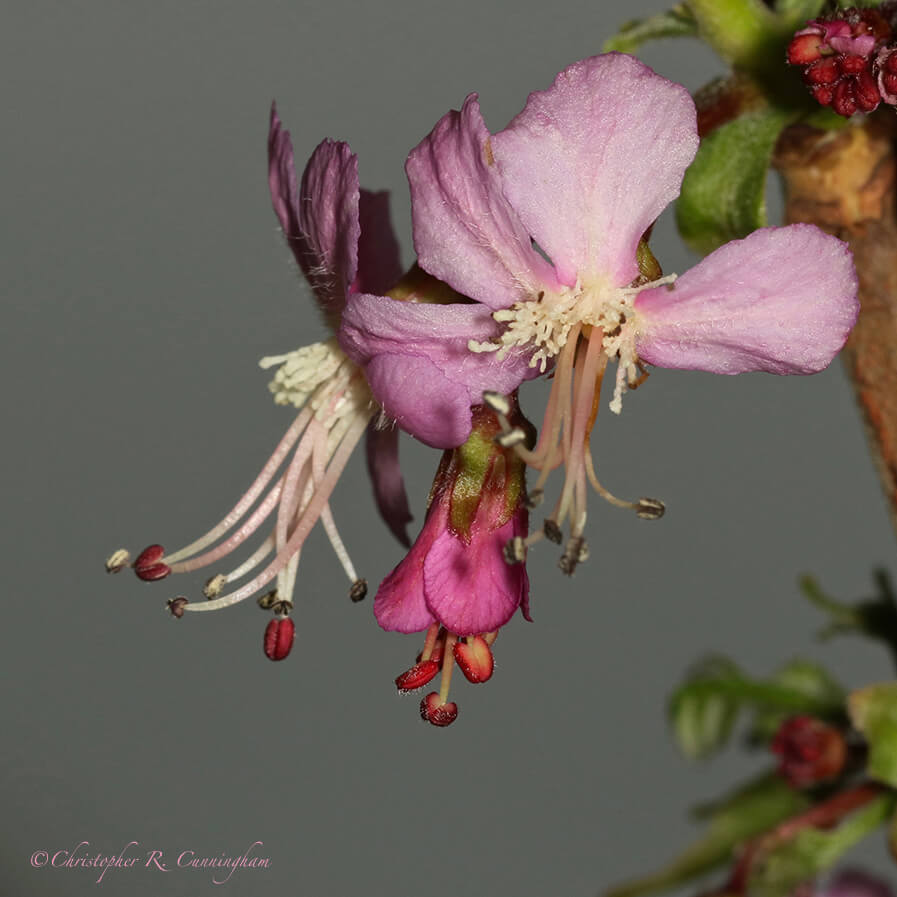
[704, 708]
[676, 22]
[702, 711]
[873, 711]
[811, 851]
[810, 680]
[740, 816]
[723, 194]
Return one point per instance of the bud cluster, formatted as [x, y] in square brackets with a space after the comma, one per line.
[847, 58]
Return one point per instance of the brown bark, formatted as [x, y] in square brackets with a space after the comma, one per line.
[844, 182]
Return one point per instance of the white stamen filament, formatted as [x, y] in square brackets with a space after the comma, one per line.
[581, 328]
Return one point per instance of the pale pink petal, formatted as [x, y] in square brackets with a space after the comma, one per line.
[399, 605]
[382, 452]
[419, 366]
[591, 162]
[421, 400]
[471, 589]
[781, 300]
[465, 233]
[379, 262]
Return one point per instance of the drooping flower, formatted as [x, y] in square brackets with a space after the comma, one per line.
[455, 583]
[543, 226]
[342, 240]
[844, 56]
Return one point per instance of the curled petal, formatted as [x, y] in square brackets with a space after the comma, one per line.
[382, 451]
[418, 364]
[592, 161]
[320, 220]
[782, 300]
[470, 588]
[379, 263]
[465, 233]
[329, 222]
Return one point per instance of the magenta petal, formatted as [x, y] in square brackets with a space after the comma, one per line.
[418, 364]
[470, 589]
[781, 300]
[465, 233]
[399, 605]
[379, 262]
[382, 451]
[592, 161]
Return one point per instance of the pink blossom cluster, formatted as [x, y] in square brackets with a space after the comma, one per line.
[532, 259]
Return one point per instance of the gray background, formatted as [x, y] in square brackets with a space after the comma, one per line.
[143, 276]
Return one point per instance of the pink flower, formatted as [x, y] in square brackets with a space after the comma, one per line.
[543, 226]
[342, 240]
[455, 582]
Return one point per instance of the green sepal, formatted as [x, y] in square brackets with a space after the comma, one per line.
[723, 194]
[798, 11]
[749, 811]
[675, 22]
[777, 872]
[875, 617]
[873, 712]
[745, 33]
[704, 708]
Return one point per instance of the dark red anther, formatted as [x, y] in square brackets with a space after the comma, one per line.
[843, 100]
[418, 676]
[804, 49]
[890, 64]
[148, 566]
[176, 606]
[279, 635]
[823, 71]
[149, 556]
[889, 79]
[853, 65]
[823, 95]
[810, 751]
[866, 91]
[474, 659]
[152, 572]
[438, 714]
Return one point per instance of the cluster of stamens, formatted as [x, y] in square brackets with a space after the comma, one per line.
[581, 330]
[847, 58]
[442, 650]
[335, 407]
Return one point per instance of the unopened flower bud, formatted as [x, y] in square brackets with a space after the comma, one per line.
[810, 751]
